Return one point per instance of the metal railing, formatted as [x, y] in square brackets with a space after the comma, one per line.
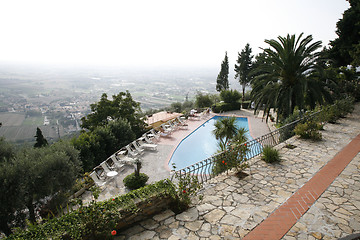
[203, 169]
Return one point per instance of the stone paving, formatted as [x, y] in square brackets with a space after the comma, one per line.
[229, 208]
[337, 212]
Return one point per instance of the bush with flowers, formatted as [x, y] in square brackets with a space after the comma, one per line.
[187, 186]
[234, 156]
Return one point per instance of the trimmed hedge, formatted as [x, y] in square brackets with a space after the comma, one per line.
[225, 107]
[246, 104]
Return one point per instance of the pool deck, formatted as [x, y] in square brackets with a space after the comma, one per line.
[155, 163]
[313, 193]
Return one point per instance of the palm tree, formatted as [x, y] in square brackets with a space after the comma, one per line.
[240, 136]
[286, 77]
[225, 130]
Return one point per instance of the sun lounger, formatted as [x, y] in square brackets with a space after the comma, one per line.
[181, 123]
[154, 134]
[137, 147]
[147, 139]
[166, 128]
[117, 163]
[132, 152]
[96, 179]
[165, 134]
[147, 145]
[106, 167]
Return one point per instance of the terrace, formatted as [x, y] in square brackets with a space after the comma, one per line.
[155, 163]
[313, 193]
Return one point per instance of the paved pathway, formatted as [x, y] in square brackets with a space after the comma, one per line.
[230, 208]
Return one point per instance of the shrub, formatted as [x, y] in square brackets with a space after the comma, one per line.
[246, 104]
[309, 130]
[233, 157]
[134, 182]
[270, 154]
[224, 107]
[187, 186]
[230, 96]
[338, 110]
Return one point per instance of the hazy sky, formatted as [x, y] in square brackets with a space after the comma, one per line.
[155, 32]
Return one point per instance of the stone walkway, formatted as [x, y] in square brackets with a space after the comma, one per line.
[230, 208]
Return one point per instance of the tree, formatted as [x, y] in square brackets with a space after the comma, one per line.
[40, 140]
[11, 192]
[230, 96]
[102, 142]
[46, 171]
[121, 106]
[32, 175]
[243, 68]
[287, 76]
[203, 100]
[176, 107]
[7, 150]
[222, 81]
[345, 46]
[225, 129]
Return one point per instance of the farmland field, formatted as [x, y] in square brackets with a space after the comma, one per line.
[27, 133]
[33, 121]
[12, 119]
[16, 127]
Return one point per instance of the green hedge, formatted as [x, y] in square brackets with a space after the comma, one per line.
[246, 104]
[97, 220]
[225, 107]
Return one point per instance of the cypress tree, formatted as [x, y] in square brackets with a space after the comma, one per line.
[222, 81]
[243, 68]
[40, 140]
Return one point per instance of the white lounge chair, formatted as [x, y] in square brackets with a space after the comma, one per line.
[106, 167]
[147, 139]
[165, 134]
[117, 163]
[173, 124]
[137, 147]
[154, 134]
[166, 128]
[132, 152]
[96, 179]
[182, 124]
[145, 145]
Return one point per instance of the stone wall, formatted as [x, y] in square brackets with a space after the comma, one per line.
[145, 209]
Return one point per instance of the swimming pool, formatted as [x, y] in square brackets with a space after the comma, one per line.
[201, 144]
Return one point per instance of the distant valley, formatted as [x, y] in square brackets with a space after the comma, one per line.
[55, 98]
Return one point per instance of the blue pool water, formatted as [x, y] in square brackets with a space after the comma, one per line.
[201, 144]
